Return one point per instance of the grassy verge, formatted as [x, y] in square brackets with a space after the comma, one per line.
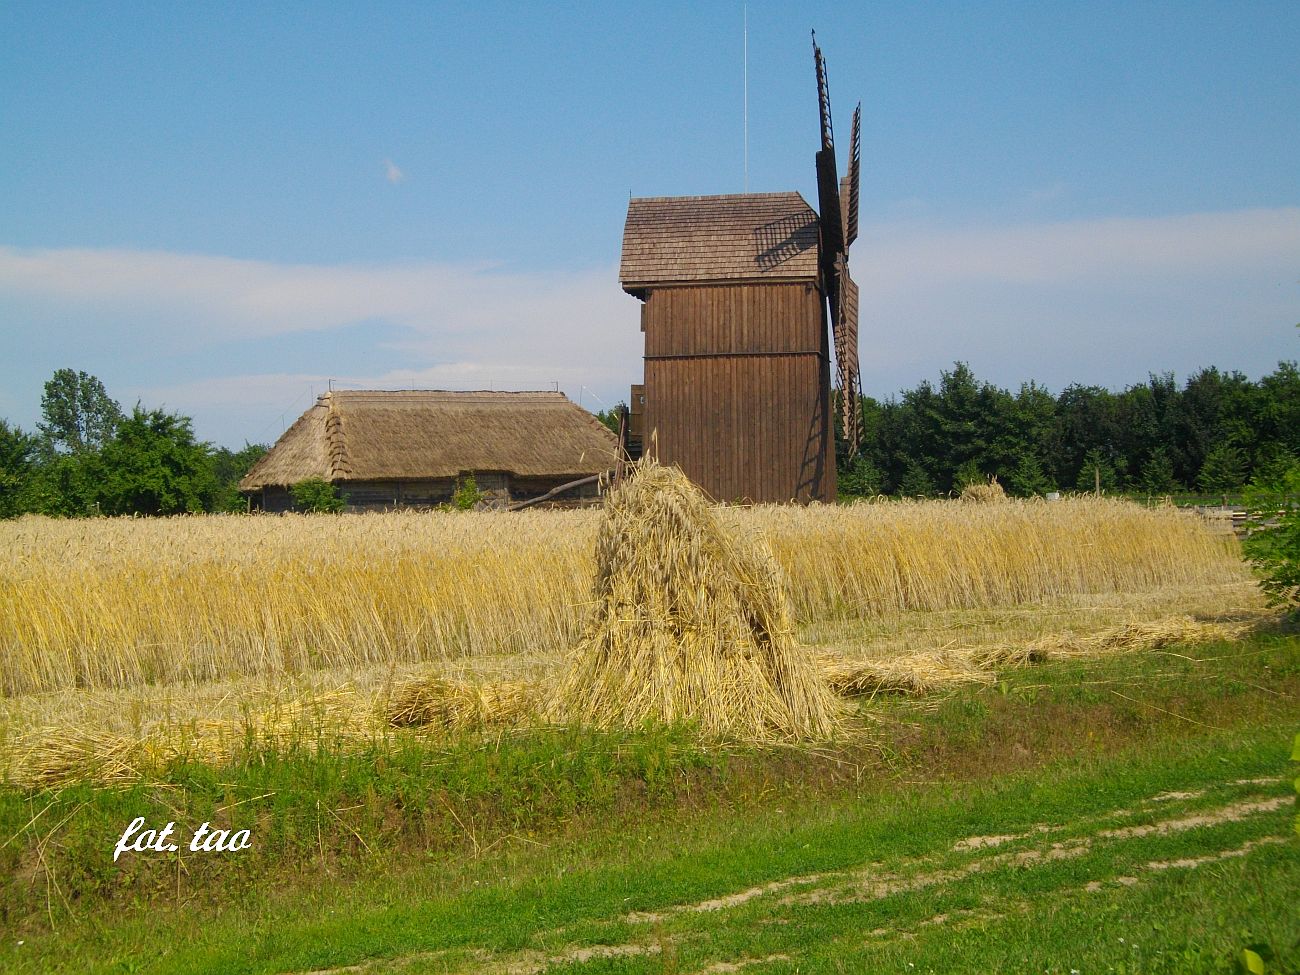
[572, 850]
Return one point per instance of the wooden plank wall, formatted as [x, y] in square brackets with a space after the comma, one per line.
[735, 382]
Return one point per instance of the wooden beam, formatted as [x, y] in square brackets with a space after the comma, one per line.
[581, 482]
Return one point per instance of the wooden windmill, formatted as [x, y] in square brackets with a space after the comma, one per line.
[741, 294]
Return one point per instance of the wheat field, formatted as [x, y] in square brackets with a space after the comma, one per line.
[116, 603]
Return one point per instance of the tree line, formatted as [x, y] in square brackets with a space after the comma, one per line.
[1216, 433]
[89, 457]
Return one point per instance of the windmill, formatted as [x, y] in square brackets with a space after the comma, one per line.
[744, 298]
[838, 223]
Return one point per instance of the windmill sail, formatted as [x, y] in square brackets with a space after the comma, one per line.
[828, 181]
[838, 219]
[849, 187]
[846, 359]
[823, 96]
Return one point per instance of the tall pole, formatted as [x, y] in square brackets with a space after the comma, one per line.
[746, 33]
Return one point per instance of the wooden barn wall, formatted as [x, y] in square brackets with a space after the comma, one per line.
[523, 488]
[389, 495]
[274, 499]
[733, 382]
[385, 495]
[732, 318]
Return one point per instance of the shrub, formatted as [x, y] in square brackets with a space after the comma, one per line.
[316, 495]
[467, 494]
[1028, 478]
[1274, 540]
[862, 480]
[152, 465]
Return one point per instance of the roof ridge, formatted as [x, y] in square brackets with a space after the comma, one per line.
[779, 194]
[345, 394]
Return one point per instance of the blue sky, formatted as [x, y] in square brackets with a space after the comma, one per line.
[218, 208]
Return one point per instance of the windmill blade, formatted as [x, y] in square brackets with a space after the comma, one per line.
[828, 182]
[847, 340]
[846, 358]
[823, 96]
[838, 214]
[829, 216]
[846, 205]
[849, 190]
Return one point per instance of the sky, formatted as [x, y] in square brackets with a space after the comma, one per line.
[221, 209]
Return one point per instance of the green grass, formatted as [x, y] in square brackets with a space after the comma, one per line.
[423, 856]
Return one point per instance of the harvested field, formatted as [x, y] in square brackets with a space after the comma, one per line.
[122, 602]
[120, 734]
[375, 623]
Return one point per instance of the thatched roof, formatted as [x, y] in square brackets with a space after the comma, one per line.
[370, 435]
[750, 237]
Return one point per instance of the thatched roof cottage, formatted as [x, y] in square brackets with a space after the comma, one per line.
[408, 448]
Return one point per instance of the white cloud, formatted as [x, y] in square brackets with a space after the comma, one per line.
[1097, 301]
[213, 299]
[392, 173]
[1127, 248]
[460, 326]
[1091, 301]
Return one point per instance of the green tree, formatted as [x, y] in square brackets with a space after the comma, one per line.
[1158, 473]
[1274, 542]
[77, 413]
[610, 417]
[1224, 469]
[966, 474]
[1214, 408]
[1273, 463]
[1087, 434]
[1278, 417]
[64, 486]
[1135, 436]
[1021, 437]
[964, 414]
[317, 495]
[153, 466]
[916, 437]
[228, 466]
[916, 481]
[1027, 478]
[1145, 422]
[1096, 469]
[862, 479]
[18, 451]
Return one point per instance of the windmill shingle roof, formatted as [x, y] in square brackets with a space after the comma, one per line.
[750, 236]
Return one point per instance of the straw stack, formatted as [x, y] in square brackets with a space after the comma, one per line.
[55, 755]
[689, 623]
[913, 674]
[982, 492]
[447, 703]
